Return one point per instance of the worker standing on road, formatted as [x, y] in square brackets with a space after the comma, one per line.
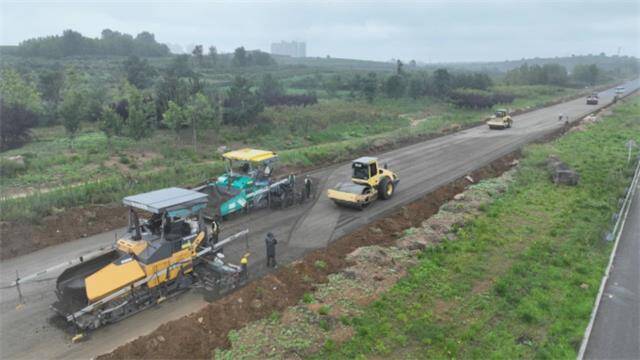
[271, 243]
[560, 117]
[307, 187]
[244, 266]
[215, 232]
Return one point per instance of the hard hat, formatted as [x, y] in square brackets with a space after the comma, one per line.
[244, 261]
[220, 256]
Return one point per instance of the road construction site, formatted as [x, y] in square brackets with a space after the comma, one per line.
[30, 330]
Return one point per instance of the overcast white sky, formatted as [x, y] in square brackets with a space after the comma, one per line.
[429, 31]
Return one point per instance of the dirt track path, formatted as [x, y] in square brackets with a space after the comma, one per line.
[423, 167]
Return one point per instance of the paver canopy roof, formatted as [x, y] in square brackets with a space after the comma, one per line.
[163, 200]
[247, 154]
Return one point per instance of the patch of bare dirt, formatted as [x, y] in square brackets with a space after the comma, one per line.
[19, 238]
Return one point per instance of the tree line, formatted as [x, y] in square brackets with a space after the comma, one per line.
[73, 43]
[555, 74]
[146, 99]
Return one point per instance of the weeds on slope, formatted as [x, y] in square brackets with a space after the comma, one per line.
[521, 279]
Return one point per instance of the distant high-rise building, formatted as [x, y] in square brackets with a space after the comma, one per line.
[290, 48]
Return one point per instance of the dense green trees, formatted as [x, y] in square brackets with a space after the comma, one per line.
[72, 43]
[394, 86]
[547, 74]
[20, 106]
[111, 123]
[139, 72]
[586, 74]
[242, 105]
[198, 113]
[198, 54]
[369, 86]
[270, 87]
[243, 58]
[141, 120]
[177, 83]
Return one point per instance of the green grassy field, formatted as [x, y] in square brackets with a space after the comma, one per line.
[521, 279]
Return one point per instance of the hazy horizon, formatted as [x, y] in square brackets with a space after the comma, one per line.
[428, 32]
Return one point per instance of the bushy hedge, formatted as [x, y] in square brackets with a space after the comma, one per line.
[291, 100]
[472, 98]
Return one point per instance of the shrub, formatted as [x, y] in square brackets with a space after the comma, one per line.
[291, 100]
[471, 98]
[324, 310]
[308, 298]
[9, 168]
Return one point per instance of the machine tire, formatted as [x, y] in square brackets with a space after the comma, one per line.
[386, 188]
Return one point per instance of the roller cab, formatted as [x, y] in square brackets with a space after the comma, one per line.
[369, 182]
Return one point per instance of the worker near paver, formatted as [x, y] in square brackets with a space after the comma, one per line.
[307, 186]
[215, 232]
[244, 266]
[271, 243]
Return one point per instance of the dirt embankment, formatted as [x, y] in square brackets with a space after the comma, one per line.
[323, 317]
[18, 238]
[194, 336]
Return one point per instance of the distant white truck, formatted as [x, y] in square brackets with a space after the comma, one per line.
[620, 90]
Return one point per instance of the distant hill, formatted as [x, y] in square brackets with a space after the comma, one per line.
[606, 63]
[335, 63]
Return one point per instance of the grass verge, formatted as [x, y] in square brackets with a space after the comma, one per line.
[520, 280]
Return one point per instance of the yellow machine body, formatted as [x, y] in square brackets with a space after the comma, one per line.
[123, 273]
[369, 182]
[500, 120]
[111, 278]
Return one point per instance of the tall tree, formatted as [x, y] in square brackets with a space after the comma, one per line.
[242, 105]
[417, 87]
[213, 55]
[176, 117]
[110, 123]
[73, 108]
[20, 106]
[139, 72]
[141, 113]
[442, 82]
[270, 87]
[370, 86]
[51, 83]
[586, 74]
[395, 86]
[202, 115]
[197, 113]
[240, 57]
[198, 53]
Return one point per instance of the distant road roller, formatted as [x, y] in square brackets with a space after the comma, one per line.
[159, 256]
[369, 182]
[500, 120]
